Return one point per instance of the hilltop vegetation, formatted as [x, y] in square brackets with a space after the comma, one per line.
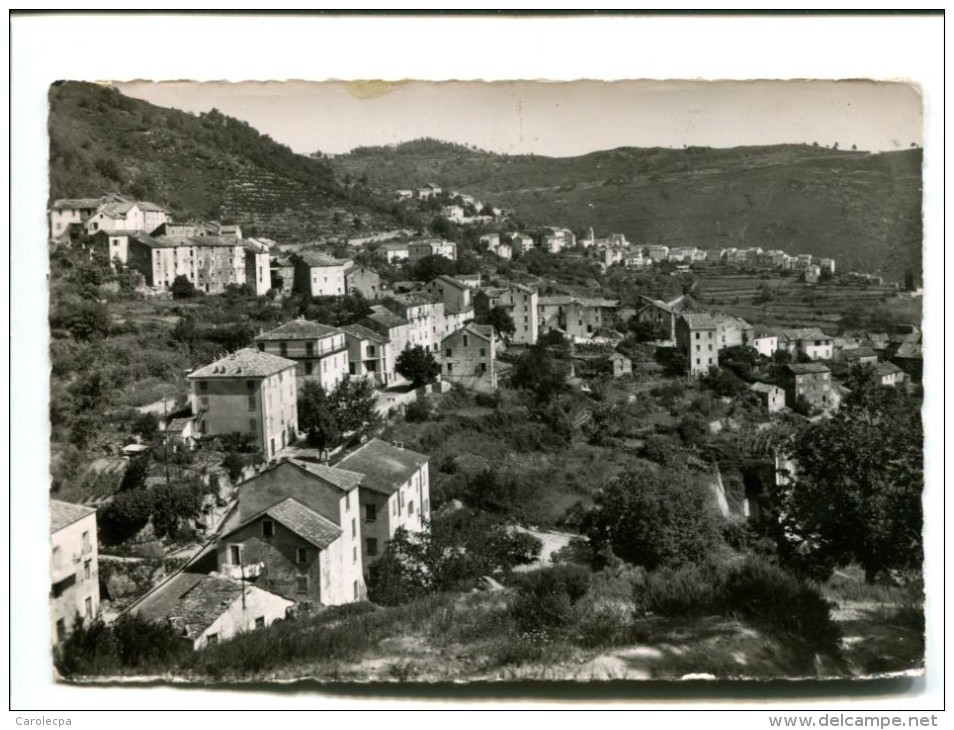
[210, 166]
[862, 209]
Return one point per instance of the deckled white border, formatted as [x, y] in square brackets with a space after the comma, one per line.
[267, 47]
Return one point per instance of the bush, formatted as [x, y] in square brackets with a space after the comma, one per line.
[689, 590]
[545, 598]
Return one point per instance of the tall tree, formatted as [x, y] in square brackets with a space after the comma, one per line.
[856, 491]
[316, 416]
[500, 319]
[417, 365]
[354, 405]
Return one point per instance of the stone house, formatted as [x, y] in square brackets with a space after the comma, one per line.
[467, 358]
[770, 396]
[808, 341]
[364, 281]
[319, 275]
[811, 381]
[369, 354]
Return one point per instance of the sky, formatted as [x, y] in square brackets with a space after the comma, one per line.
[559, 119]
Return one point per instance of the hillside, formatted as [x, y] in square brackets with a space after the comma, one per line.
[211, 166]
[862, 209]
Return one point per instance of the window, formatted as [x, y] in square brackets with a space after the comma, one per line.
[310, 348]
[710, 348]
[251, 402]
[483, 367]
[89, 608]
[252, 425]
[698, 362]
[86, 569]
[401, 502]
[410, 507]
[698, 347]
[354, 555]
[450, 367]
[283, 348]
[268, 528]
[60, 629]
[697, 335]
[351, 368]
[260, 622]
[203, 385]
[324, 366]
[465, 341]
[425, 509]
[301, 556]
[354, 527]
[212, 639]
[261, 347]
[250, 385]
[371, 545]
[301, 584]
[370, 350]
[483, 352]
[309, 368]
[370, 513]
[449, 351]
[87, 547]
[235, 554]
[356, 590]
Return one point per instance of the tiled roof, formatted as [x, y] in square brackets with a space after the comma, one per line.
[298, 329]
[244, 363]
[699, 320]
[763, 387]
[178, 424]
[146, 205]
[909, 350]
[394, 246]
[63, 514]
[362, 332]
[859, 352]
[385, 466]
[315, 259]
[887, 368]
[451, 281]
[385, 317]
[115, 210]
[76, 203]
[807, 368]
[805, 333]
[341, 478]
[304, 521]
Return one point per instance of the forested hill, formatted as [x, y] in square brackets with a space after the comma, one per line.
[863, 209]
[210, 165]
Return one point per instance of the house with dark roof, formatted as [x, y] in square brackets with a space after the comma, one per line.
[296, 530]
[889, 374]
[250, 392]
[68, 214]
[320, 275]
[859, 357]
[207, 609]
[468, 357]
[394, 492]
[909, 358]
[390, 325]
[320, 351]
[122, 214]
[74, 567]
[808, 381]
[664, 314]
[456, 295]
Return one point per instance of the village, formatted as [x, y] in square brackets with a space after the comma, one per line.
[304, 525]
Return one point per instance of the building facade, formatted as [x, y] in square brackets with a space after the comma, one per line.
[696, 338]
[317, 275]
[467, 358]
[74, 567]
[248, 392]
[320, 351]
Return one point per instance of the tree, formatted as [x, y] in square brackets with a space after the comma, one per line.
[417, 365]
[182, 288]
[428, 268]
[173, 503]
[499, 318]
[146, 425]
[354, 406]
[125, 515]
[539, 372]
[135, 475]
[653, 521]
[84, 320]
[856, 493]
[316, 416]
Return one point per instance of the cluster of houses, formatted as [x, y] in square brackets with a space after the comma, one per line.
[614, 249]
[464, 209]
[701, 335]
[300, 533]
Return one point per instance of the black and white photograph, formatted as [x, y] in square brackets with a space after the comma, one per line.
[406, 381]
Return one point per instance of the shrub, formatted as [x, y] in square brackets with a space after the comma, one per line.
[545, 598]
[689, 590]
